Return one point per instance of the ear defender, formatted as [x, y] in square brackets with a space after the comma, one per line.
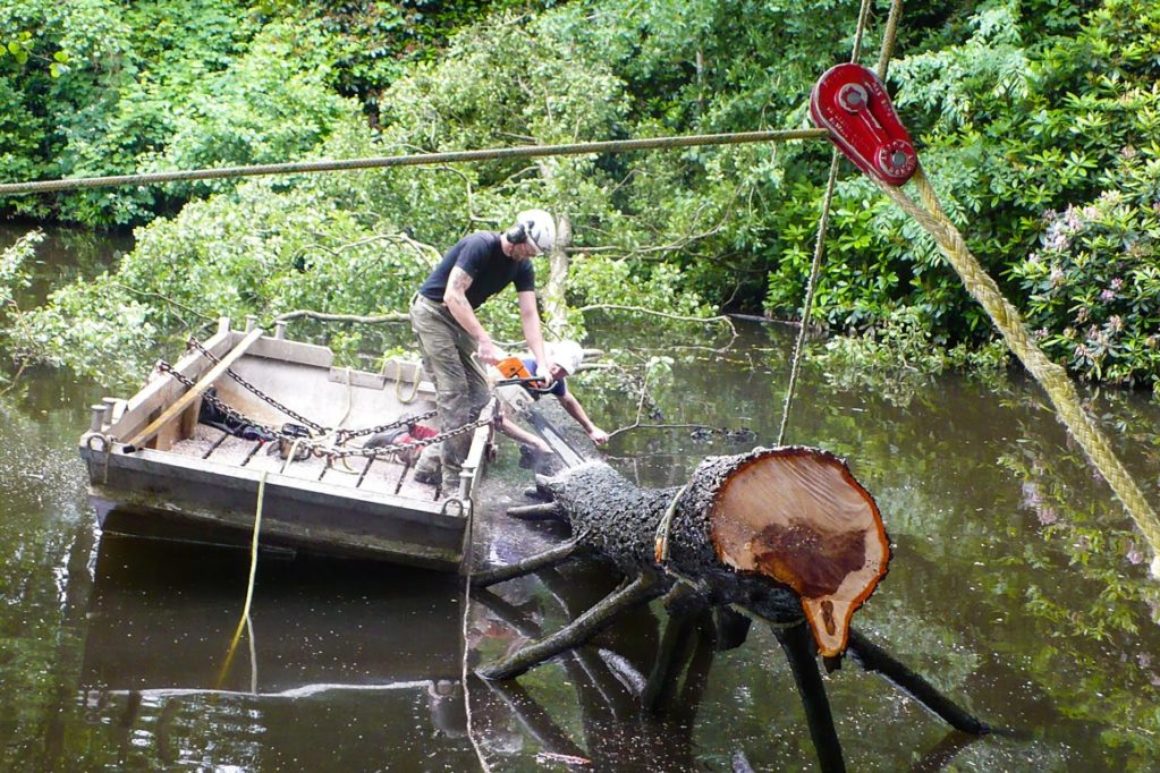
[516, 234]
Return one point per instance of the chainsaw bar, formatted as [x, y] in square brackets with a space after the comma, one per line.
[852, 105]
[516, 396]
[555, 439]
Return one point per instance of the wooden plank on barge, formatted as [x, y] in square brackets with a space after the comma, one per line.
[162, 390]
[186, 399]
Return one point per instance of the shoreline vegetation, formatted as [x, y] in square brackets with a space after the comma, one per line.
[1035, 122]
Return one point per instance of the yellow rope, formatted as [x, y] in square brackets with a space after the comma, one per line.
[661, 541]
[888, 37]
[404, 399]
[346, 415]
[1052, 377]
[242, 622]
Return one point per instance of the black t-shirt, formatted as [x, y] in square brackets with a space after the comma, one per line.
[481, 258]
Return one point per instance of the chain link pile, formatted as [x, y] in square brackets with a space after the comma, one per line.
[316, 444]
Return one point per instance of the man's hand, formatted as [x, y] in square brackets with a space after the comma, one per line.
[544, 374]
[599, 436]
[489, 353]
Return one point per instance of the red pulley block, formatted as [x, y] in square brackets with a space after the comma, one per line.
[852, 104]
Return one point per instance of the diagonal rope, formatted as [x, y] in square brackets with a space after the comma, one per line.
[1051, 376]
[819, 252]
[889, 35]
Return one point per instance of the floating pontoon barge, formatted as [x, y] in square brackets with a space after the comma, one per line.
[154, 470]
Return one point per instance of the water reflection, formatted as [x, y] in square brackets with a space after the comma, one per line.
[1016, 588]
[65, 255]
[363, 653]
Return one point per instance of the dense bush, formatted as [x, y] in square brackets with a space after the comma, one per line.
[1019, 110]
[1094, 286]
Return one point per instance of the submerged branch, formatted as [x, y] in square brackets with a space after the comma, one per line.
[545, 560]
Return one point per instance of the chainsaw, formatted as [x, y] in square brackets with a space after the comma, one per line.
[515, 389]
[514, 371]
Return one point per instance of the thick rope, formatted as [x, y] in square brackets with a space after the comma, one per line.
[889, 35]
[244, 619]
[661, 539]
[860, 31]
[1052, 377]
[819, 251]
[419, 159]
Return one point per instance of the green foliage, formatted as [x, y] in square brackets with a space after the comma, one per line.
[14, 274]
[15, 277]
[371, 44]
[259, 253]
[21, 47]
[1018, 108]
[898, 358]
[158, 86]
[361, 243]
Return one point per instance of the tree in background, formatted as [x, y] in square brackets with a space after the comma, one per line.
[1020, 110]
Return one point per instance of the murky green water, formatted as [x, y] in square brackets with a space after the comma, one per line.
[1017, 587]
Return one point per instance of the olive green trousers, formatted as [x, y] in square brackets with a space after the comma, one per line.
[461, 390]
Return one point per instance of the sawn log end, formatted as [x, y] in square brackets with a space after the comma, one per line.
[798, 516]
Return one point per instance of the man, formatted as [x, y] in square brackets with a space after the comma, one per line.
[565, 358]
[451, 336]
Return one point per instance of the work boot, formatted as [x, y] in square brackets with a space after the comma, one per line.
[430, 477]
[429, 468]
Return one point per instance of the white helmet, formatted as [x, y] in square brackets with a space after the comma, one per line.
[536, 225]
[567, 354]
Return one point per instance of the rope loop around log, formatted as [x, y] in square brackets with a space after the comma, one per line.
[665, 525]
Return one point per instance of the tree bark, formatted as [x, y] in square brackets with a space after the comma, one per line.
[777, 532]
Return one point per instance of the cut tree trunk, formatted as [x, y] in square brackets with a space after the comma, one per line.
[782, 534]
[778, 532]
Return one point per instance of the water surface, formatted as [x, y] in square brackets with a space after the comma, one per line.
[1017, 587]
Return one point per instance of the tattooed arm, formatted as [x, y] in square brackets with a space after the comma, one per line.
[456, 299]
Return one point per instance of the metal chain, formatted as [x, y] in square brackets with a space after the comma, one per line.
[332, 453]
[341, 435]
[194, 343]
[342, 453]
[217, 402]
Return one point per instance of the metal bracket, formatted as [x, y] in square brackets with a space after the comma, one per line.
[852, 105]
